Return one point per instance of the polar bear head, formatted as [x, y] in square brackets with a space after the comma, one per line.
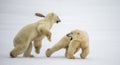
[53, 18]
[74, 34]
[79, 35]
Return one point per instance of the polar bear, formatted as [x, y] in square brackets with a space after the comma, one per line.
[33, 32]
[72, 42]
[80, 40]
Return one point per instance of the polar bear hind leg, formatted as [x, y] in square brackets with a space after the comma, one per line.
[84, 53]
[27, 53]
[19, 49]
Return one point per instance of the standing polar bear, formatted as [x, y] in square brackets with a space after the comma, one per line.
[72, 42]
[33, 32]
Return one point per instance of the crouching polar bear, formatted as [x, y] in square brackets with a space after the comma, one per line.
[33, 32]
[72, 42]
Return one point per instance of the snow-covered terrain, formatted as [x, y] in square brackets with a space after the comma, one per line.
[100, 18]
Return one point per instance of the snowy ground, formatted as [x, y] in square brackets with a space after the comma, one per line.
[100, 18]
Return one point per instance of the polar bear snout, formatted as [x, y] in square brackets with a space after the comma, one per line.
[58, 20]
[70, 34]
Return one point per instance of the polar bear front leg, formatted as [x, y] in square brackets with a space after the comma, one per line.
[46, 32]
[55, 48]
[27, 53]
[50, 51]
[73, 46]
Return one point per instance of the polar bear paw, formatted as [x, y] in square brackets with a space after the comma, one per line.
[48, 53]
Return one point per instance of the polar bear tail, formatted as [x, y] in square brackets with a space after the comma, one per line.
[39, 15]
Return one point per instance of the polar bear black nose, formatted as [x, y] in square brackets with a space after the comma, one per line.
[58, 21]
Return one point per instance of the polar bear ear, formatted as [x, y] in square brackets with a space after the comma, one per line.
[39, 14]
[52, 14]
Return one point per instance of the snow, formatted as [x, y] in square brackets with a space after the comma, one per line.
[100, 18]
